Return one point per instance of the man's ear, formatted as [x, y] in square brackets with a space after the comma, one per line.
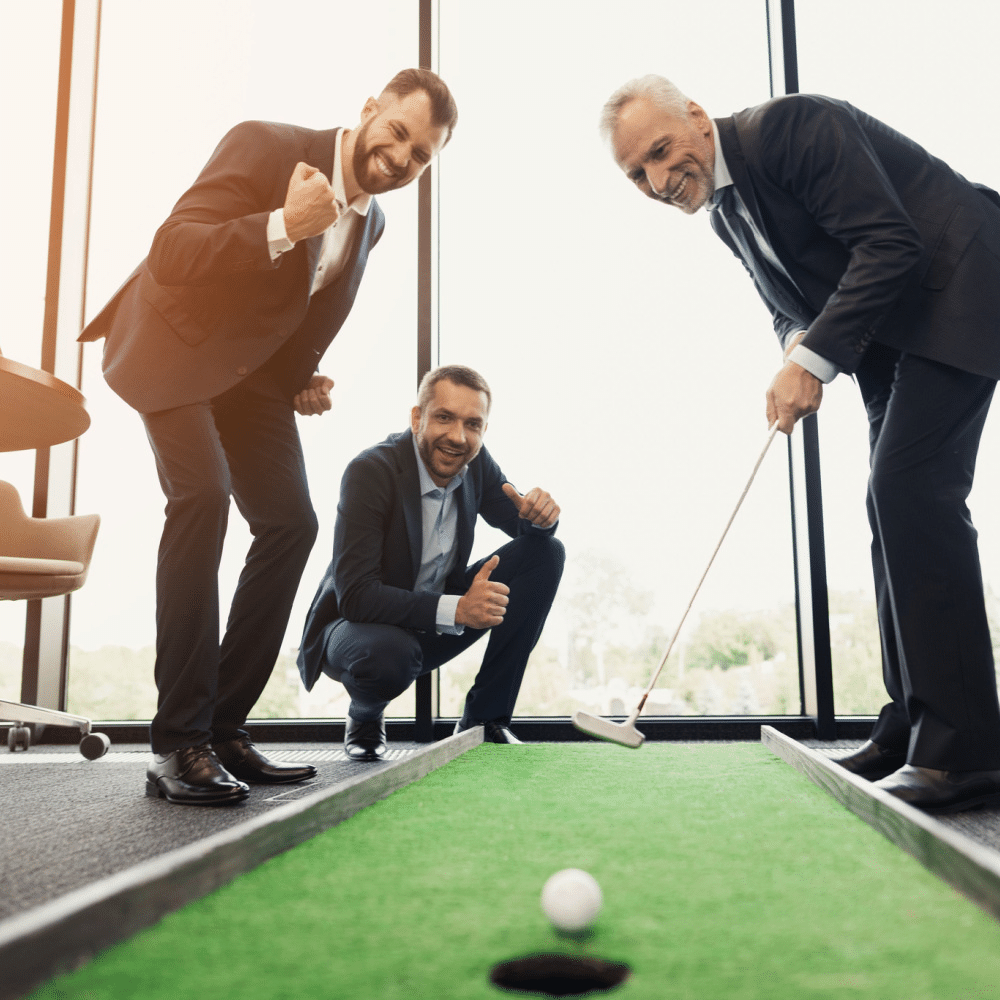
[415, 419]
[369, 110]
[700, 117]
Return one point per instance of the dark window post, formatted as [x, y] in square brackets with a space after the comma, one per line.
[812, 606]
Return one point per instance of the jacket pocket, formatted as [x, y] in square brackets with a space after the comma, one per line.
[175, 315]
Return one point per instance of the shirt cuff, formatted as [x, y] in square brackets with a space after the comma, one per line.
[815, 364]
[277, 237]
[446, 610]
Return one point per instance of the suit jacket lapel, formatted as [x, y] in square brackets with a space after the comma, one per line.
[320, 155]
[409, 487]
[467, 513]
[733, 152]
[785, 296]
[314, 246]
[321, 150]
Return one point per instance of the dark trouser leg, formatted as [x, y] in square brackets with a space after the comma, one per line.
[875, 379]
[194, 477]
[926, 421]
[256, 425]
[531, 565]
[377, 663]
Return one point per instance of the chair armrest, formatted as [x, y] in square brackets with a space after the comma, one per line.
[70, 538]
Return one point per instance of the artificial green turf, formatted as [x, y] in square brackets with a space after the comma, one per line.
[726, 876]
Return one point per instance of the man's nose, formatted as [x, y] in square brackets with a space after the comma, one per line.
[400, 158]
[659, 181]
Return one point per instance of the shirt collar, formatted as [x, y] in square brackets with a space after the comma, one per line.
[427, 485]
[723, 178]
[362, 201]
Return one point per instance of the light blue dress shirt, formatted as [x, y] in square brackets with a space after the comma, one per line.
[439, 516]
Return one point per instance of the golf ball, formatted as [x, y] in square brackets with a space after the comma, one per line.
[572, 899]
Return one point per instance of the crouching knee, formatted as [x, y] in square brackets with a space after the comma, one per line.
[548, 552]
[381, 660]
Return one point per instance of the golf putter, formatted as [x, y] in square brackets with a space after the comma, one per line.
[625, 732]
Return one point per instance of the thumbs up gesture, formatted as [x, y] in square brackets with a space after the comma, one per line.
[310, 207]
[484, 604]
[535, 506]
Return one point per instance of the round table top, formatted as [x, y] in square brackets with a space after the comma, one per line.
[37, 409]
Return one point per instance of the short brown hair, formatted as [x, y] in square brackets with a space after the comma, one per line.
[459, 375]
[444, 111]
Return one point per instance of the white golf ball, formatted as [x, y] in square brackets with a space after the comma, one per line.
[572, 899]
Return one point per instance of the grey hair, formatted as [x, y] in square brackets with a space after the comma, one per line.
[458, 375]
[657, 89]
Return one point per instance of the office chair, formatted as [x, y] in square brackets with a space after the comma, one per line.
[44, 557]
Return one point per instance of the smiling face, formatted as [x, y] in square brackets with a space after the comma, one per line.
[395, 141]
[450, 429]
[669, 157]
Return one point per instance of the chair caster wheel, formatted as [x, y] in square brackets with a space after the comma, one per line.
[18, 738]
[94, 745]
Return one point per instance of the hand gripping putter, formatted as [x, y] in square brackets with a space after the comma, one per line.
[625, 732]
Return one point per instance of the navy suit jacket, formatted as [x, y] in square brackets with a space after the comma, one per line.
[378, 538]
[883, 240]
[208, 305]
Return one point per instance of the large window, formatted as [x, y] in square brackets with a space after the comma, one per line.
[167, 94]
[29, 73]
[627, 350]
[933, 82]
[628, 354]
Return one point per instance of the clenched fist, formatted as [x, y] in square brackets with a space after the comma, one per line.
[314, 399]
[310, 207]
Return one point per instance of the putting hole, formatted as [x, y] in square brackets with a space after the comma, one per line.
[559, 975]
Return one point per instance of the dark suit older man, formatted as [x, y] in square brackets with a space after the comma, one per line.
[399, 597]
[215, 339]
[876, 259]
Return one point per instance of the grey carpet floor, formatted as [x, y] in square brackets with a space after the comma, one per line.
[980, 825]
[66, 822]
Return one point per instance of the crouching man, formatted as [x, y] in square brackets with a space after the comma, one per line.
[399, 599]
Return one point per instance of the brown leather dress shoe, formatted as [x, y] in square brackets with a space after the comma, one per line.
[244, 761]
[870, 760]
[365, 740]
[193, 776]
[943, 791]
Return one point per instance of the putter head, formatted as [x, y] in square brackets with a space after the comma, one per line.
[604, 729]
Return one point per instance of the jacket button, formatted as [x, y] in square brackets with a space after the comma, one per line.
[241, 370]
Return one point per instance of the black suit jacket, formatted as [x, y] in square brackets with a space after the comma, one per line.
[378, 538]
[883, 240]
[208, 305]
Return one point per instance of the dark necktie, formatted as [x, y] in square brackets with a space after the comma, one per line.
[773, 283]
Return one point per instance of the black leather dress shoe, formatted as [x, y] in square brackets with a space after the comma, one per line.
[244, 761]
[193, 776]
[494, 731]
[943, 791]
[871, 761]
[365, 740]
